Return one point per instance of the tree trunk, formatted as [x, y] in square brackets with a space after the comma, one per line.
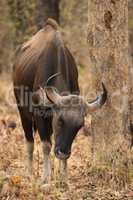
[46, 9]
[22, 18]
[109, 63]
[131, 66]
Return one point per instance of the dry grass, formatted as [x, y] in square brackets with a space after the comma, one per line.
[105, 174]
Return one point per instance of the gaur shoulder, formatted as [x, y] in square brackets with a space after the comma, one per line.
[39, 36]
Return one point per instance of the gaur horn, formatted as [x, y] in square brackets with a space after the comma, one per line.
[99, 101]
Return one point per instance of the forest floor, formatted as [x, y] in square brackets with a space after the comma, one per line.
[83, 184]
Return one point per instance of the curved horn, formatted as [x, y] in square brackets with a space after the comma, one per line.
[99, 101]
[51, 93]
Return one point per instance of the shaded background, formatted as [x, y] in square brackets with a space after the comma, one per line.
[21, 19]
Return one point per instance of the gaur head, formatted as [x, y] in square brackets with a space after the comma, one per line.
[68, 117]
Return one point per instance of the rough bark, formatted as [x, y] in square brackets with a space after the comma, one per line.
[46, 9]
[109, 63]
[131, 65]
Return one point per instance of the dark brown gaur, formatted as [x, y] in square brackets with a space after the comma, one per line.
[47, 93]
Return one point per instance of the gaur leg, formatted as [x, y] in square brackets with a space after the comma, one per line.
[60, 172]
[63, 171]
[27, 125]
[44, 127]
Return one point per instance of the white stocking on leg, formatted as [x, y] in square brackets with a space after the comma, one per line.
[30, 149]
[47, 165]
[63, 171]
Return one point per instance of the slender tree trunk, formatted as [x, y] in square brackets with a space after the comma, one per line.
[46, 9]
[19, 12]
[109, 63]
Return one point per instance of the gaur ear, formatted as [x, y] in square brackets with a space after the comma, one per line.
[50, 91]
[98, 102]
[39, 98]
[52, 95]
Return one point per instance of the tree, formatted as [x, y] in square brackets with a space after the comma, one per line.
[109, 63]
[6, 37]
[22, 16]
[131, 67]
[46, 9]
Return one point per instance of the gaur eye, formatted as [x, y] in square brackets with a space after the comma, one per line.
[81, 125]
[60, 121]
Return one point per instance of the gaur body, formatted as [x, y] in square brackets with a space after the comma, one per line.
[47, 93]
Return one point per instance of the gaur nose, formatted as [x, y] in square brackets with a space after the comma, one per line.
[63, 150]
[62, 153]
